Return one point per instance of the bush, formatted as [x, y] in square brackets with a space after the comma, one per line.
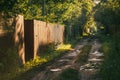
[110, 68]
[8, 63]
[9, 59]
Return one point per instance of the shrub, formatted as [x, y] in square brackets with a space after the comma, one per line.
[110, 68]
[8, 63]
[68, 74]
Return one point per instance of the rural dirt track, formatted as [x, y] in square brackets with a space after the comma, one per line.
[86, 71]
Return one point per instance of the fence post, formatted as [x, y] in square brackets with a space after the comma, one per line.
[19, 37]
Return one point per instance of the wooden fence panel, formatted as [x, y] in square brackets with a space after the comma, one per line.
[44, 33]
[36, 37]
[56, 33]
[52, 32]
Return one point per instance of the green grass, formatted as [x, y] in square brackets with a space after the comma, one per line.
[68, 74]
[9, 62]
[83, 56]
[110, 69]
[12, 71]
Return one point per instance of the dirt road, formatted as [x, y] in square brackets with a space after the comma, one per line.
[86, 71]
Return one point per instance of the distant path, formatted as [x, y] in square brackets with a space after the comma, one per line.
[89, 71]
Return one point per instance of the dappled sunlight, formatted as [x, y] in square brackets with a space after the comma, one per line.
[102, 27]
[40, 35]
[38, 60]
[33, 32]
[85, 34]
[64, 47]
[34, 62]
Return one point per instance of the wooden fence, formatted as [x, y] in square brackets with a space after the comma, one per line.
[39, 33]
[29, 35]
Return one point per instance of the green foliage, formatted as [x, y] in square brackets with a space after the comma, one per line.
[105, 48]
[72, 13]
[87, 6]
[110, 68]
[75, 25]
[47, 55]
[47, 49]
[14, 71]
[64, 47]
[90, 27]
[9, 63]
[108, 14]
[62, 12]
[6, 5]
[68, 74]
[7, 58]
[34, 62]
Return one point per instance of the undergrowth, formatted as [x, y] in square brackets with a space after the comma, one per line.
[14, 71]
[110, 68]
[68, 74]
[83, 56]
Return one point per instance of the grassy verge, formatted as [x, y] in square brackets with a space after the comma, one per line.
[110, 68]
[8, 63]
[83, 56]
[33, 66]
[68, 74]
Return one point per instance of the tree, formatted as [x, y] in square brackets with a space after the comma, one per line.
[108, 14]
